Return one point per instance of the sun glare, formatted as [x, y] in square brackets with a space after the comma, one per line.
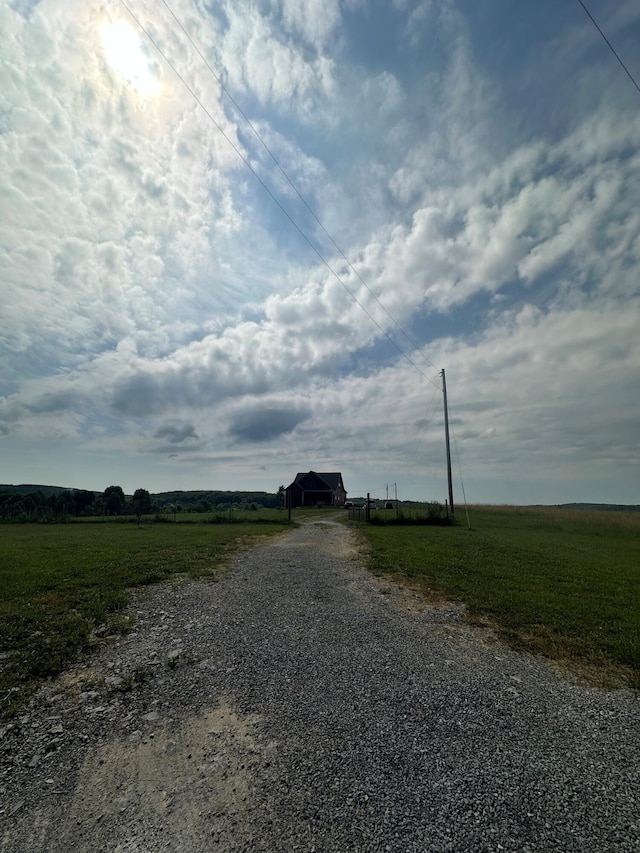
[125, 54]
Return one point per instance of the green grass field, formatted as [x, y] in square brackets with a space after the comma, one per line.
[558, 582]
[563, 583]
[60, 582]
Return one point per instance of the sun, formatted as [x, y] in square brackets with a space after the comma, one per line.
[125, 54]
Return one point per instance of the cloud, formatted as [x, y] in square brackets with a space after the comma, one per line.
[535, 393]
[566, 207]
[265, 423]
[489, 233]
[314, 20]
[155, 300]
[61, 401]
[111, 203]
[260, 59]
[177, 434]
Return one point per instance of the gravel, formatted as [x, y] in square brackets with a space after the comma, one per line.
[301, 704]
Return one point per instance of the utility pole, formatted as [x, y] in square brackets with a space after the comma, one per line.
[446, 435]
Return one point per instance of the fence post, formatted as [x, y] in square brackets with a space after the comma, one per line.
[367, 510]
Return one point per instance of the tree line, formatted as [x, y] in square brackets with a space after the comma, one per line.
[36, 506]
[21, 506]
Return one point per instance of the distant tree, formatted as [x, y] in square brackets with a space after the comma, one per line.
[19, 507]
[282, 491]
[114, 500]
[5, 504]
[82, 499]
[63, 504]
[141, 503]
[52, 506]
[29, 507]
[97, 507]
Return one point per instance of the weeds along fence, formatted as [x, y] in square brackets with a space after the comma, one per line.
[432, 513]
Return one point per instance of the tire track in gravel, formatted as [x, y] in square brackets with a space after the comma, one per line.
[300, 704]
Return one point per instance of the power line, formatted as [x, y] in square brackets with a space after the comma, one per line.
[455, 444]
[610, 46]
[260, 138]
[431, 410]
[267, 189]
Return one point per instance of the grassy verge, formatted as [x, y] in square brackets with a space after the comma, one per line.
[562, 583]
[61, 582]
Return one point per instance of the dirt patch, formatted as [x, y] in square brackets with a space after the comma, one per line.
[184, 783]
[412, 596]
[182, 776]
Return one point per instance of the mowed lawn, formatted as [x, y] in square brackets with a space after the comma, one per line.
[61, 582]
[560, 582]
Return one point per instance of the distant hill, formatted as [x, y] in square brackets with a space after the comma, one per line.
[29, 488]
[608, 507]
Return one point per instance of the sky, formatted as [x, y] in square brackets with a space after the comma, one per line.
[241, 239]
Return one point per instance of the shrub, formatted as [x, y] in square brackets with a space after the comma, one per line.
[435, 510]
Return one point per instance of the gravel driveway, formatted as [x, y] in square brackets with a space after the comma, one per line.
[300, 704]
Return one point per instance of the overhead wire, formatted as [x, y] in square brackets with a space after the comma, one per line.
[293, 186]
[610, 46]
[431, 409]
[272, 195]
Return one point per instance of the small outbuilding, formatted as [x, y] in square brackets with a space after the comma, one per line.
[311, 489]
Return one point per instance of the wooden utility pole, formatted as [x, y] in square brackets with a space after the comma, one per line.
[446, 435]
